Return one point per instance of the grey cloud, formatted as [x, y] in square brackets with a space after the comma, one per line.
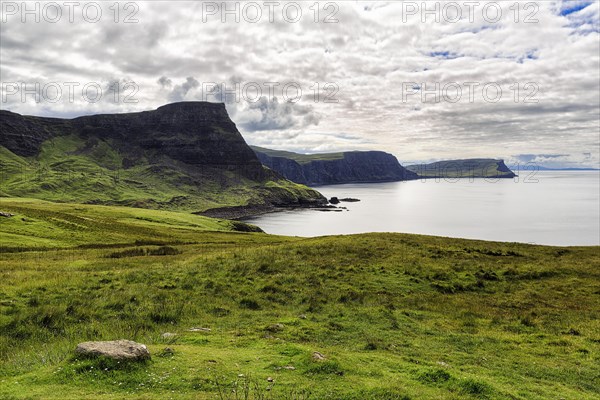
[180, 91]
[163, 81]
[530, 157]
[265, 115]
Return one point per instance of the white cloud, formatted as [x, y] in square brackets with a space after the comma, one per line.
[369, 54]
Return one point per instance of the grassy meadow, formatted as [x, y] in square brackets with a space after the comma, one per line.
[395, 316]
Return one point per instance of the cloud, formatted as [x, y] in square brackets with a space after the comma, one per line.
[179, 92]
[369, 54]
[163, 81]
[583, 160]
[268, 115]
[537, 157]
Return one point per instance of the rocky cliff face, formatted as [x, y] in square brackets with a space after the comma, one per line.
[24, 135]
[187, 154]
[468, 168]
[195, 133]
[348, 167]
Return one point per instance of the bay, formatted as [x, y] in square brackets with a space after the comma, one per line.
[548, 207]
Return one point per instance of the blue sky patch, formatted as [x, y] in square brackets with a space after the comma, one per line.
[570, 7]
[444, 54]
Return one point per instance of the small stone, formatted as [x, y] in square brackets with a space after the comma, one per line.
[302, 316]
[6, 214]
[115, 349]
[168, 335]
[269, 379]
[289, 367]
[275, 328]
[316, 356]
[199, 330]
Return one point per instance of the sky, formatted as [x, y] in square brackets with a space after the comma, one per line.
[446, 81]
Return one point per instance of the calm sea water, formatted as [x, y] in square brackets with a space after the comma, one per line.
[552, 208]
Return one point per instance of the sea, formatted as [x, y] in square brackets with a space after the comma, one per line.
[546, 207]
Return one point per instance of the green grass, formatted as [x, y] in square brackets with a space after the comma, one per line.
[39, 224]
[298, 157]
[70, 169]
[397, 316]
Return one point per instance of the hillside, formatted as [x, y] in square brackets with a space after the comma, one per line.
[469, 168]
[183, 156]
[334, 168]
[44, 225]
[392, 316]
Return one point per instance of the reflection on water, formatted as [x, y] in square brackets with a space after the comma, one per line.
[561, 208]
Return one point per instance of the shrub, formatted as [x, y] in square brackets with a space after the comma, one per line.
[138, 252]
[250, 304]
[434, 376]
[473, 387]
[163, 251]
[325, 367]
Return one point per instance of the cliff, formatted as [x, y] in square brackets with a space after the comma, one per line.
[334, 168]
[468, 168]
[186, 155]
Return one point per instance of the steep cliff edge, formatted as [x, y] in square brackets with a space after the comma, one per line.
[468, 168]
[186, 155]
[334, 168]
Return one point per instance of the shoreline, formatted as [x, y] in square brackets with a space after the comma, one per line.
[239, 213]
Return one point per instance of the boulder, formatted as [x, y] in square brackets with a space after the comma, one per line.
[334, 200]
[115, 349]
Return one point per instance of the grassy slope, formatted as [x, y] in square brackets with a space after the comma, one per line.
[45, 225]
[398, 316]
[475, 167]
[299, 158]
[66, 170]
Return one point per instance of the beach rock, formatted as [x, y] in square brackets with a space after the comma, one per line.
[350, 200]
[334, 200]
[115, 349]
